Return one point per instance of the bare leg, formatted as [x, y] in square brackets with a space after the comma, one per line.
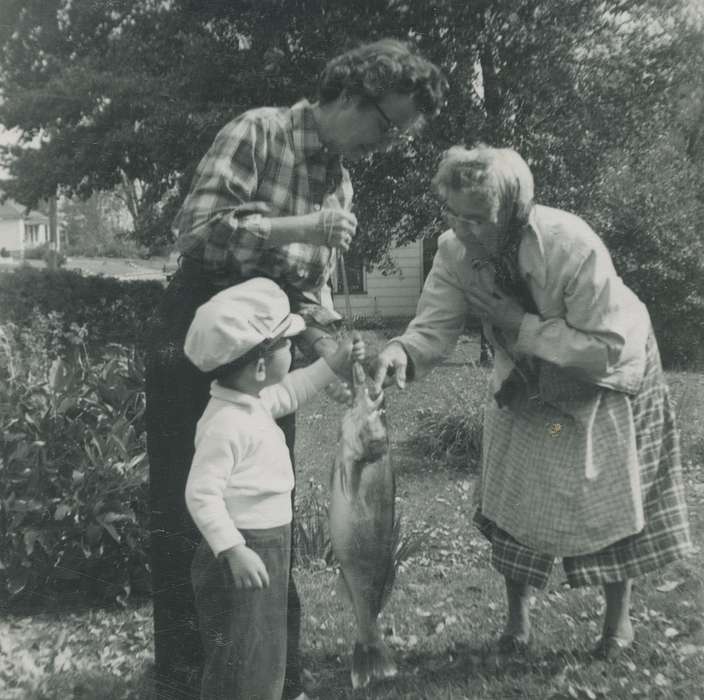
[518, 617]
[617, 619]
[617, 633]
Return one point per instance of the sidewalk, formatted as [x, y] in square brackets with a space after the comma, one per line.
[120, 268]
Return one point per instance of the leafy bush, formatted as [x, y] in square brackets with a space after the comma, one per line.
[115, 311]
[646, 209]
[310, 535]
[73, 470]
[53, 258]
[37, 252]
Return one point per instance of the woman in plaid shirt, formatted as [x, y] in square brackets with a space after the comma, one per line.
[580, 454]
[270, 198]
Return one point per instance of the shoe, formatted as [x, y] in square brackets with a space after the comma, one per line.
[510, 645]
[609, 648]
[309, 682]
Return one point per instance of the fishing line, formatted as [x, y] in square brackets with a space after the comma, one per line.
[333, 203]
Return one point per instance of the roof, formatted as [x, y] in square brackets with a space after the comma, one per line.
[9, 209]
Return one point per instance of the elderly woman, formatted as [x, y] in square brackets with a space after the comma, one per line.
[580, 453]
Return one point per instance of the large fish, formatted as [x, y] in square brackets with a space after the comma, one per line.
[361, 518]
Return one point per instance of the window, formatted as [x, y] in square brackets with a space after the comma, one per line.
[354, 266]
[430, 247]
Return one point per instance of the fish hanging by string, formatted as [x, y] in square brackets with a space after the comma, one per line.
[363, 531]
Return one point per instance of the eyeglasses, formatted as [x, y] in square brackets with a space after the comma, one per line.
[450, 216]
[392, 130]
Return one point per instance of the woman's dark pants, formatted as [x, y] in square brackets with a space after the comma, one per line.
[177, 394]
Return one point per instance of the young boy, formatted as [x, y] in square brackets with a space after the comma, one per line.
[239, 486]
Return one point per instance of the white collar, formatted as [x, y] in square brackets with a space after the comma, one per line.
[223, 393]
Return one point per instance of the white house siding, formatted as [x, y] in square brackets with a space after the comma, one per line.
[11, 232]
[394, 294]
[21, 229]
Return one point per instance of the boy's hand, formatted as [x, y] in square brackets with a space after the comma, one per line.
[349, 350]
[248, 570]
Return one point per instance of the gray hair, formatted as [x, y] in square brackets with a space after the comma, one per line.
[498, 175]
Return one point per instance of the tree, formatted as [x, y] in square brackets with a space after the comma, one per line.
[131, 92]
[98, 226]
[648, 203]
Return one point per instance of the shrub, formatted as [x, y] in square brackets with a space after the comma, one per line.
[53, 258]
[73, 475]
[116, 311]
[312, 535]
[37, 252]
[645, 206]
[453, 432]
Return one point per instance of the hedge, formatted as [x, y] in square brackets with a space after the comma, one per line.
[115, 311]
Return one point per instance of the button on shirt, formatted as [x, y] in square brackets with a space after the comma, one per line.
[271, 161]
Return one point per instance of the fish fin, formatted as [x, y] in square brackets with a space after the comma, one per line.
[340, 473]
[371, 662]
[390, 578]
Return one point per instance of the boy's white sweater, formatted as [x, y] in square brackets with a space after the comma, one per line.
[241, 476]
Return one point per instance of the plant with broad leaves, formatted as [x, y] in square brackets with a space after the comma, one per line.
[73, 513]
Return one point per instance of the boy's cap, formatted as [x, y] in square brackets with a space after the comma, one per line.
[238, 319]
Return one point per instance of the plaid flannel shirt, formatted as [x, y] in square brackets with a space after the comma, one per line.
[266, 161]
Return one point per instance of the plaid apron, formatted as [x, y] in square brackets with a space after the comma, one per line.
[650, 497]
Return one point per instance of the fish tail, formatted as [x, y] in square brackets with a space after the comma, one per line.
[371, 662]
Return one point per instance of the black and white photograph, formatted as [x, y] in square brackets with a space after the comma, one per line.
[351, 349]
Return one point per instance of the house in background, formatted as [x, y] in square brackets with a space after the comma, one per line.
[374, 294]
[21, 229]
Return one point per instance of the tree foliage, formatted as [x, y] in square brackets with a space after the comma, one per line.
[133, 91]
[130, 93]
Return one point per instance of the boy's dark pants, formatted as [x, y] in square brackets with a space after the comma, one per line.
[177, 394]
[243, 631]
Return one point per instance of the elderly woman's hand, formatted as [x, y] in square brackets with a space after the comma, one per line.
[392, 361]
[495, 307]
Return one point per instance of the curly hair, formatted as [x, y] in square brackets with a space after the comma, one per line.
[374, 70]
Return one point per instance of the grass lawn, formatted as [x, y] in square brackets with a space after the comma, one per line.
[447, 607]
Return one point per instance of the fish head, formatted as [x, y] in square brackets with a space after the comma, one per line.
[366, 420]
